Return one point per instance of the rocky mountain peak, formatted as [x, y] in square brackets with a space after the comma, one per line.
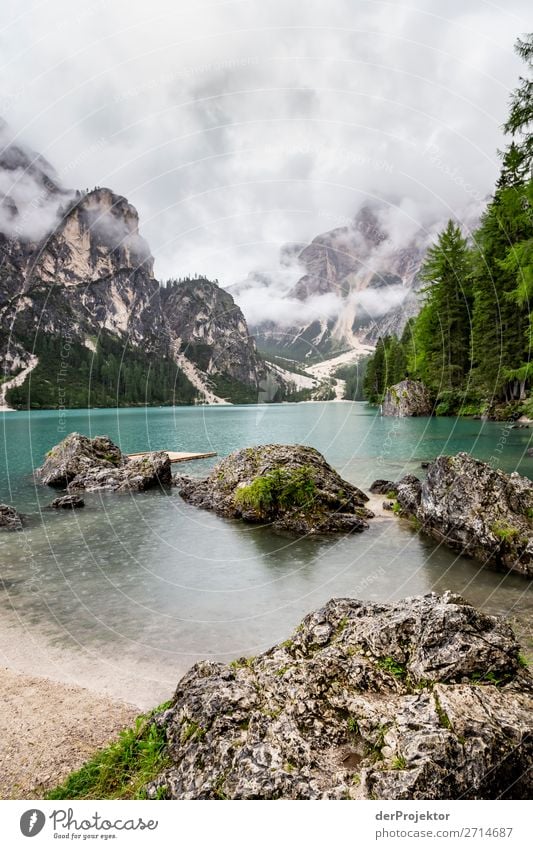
[97, 236]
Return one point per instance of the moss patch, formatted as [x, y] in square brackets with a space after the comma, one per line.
[278, 490]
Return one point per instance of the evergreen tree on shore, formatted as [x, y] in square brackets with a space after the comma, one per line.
[472, 340]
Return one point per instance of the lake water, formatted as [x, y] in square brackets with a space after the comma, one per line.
[125, 594]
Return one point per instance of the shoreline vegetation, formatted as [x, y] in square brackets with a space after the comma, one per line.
[470, 344]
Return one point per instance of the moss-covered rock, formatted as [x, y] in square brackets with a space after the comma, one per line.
[291, 487]
[475, 509]
[407, 398]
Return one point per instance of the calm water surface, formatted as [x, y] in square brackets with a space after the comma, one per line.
[127, 593]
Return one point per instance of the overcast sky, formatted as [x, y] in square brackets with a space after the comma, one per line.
[237, 126]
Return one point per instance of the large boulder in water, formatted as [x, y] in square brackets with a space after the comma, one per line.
[407, 398]
[82, 463]
[291, 487]
[475, 509]
[423, 698]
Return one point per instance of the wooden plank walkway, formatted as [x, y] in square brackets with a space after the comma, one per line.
[176, 456]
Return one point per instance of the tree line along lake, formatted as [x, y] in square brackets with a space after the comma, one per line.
[125, 594]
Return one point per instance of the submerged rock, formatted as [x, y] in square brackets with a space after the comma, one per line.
[10, 519]
[423, 698]
[66, 502]
[289, 486]
[475, 509]
[82, 463]
[407, 398]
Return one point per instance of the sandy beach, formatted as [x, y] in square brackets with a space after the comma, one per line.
[59, 706]
[49, 729]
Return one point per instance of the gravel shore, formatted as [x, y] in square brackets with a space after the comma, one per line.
[48, 729]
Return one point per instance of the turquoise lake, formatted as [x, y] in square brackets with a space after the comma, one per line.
[125, 594]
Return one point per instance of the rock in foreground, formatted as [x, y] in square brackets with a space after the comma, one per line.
[82, 463]
[10, 519]
[420, 699]
[407, 398]
[475, 509]
[289, 486]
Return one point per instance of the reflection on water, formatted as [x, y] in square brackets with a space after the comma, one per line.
[145, 584]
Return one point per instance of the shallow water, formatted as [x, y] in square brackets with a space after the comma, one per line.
[125, 594]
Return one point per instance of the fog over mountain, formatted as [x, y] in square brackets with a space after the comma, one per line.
[239, 127]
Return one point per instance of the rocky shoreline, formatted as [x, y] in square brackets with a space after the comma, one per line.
[464, 503]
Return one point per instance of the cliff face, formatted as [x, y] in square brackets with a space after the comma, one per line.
[208, 327]
[90, 278]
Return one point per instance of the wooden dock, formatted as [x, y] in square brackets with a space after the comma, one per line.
[175, 456]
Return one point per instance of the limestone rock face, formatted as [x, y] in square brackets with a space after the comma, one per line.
[423, 698]
[482, 511]
[407, 398]
[79, 462]
[408, 491]
[210, 330]
[10, 519]
[292, 488]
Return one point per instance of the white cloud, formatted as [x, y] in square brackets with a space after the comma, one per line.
[237, 126]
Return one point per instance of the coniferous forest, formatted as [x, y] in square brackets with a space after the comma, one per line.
[471, 342]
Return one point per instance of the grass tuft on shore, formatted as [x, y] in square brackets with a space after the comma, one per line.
[121, 770]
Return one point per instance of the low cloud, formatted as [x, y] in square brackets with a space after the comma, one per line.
[237, 127]
[30, 205]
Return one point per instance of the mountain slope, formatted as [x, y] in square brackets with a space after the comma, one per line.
[346, 288]
[366, 282]
[80, 303]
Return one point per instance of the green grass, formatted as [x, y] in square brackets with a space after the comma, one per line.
[399, 762]
[393, 667]
[121, 770]
[444, 719]
[487, 678]
[242, 663]
[278, 490]
[192, 731]
[353, 725]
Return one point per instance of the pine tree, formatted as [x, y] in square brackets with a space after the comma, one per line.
[518, 158]
[443, 333]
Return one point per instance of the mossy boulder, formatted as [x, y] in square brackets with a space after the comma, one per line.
[475, 509]
[291, 487]
[407, 398]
